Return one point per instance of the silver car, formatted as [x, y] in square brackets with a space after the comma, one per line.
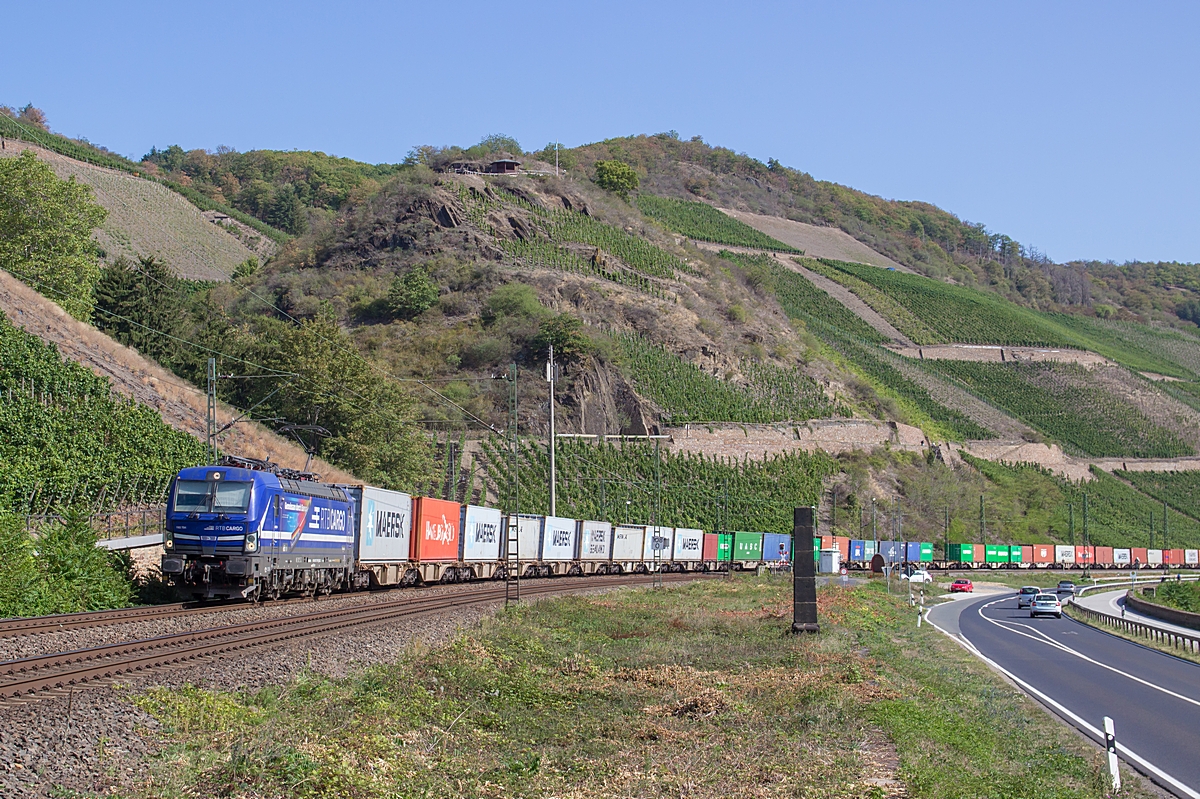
[1026, 594]
[1045, 605]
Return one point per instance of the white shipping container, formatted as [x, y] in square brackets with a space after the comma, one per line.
[481, 528]
[558, 539]
[658, 543]
[1154, 557]
[1191, 557]
[1121, 557]
[689, 544]
[627, 542]
[529, 537]
[384, 525]
[595, 540]
[1064, 554]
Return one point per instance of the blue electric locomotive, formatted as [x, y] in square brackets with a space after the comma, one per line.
[241, 532]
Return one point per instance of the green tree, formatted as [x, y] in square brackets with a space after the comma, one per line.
[412, 293]
[137, 304]
[512, 299]
[286, 211]
[616, 176]
[46, 226]
[565, 332]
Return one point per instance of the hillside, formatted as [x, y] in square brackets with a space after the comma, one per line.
[180, 404]
[393, 314]
[147, 219]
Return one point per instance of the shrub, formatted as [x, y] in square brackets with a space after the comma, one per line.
[412, 293]
[512, 299]
[616, 176]
[565, 333]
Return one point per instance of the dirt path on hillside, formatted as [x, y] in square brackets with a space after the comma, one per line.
[1158, 406]
[182, 405]
[851, 300]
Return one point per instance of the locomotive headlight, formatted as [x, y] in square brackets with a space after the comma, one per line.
[168, 540]
[251, 542]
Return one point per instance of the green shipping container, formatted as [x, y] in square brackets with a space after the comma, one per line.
[724, 545]
[994, 553]
[1014, 554]
[747, 546]
[927, 553]
[817, 549]
[962, 553]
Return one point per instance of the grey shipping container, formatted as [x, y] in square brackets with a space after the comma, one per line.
[529, 536]
[595, 540]
[384, 524]
[627, 543]
[558, 539]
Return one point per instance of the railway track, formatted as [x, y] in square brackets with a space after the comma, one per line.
[46, 674]
[12, 628]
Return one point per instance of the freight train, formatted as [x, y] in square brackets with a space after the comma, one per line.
[249, 529]
[858, 554]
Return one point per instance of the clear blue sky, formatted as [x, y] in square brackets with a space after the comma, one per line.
[1069, 126]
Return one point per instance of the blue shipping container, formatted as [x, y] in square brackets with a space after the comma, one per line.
[892, 551]
[777, 547]
[912, 551]
[858, 551]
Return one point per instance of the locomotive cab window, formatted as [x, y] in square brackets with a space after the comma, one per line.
[204, 496]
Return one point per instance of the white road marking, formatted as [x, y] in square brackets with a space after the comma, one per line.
[1126, 752]
[1041, 637]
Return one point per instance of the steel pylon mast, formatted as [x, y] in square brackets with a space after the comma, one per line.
[512, 571]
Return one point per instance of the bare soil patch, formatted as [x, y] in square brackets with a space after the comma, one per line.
[817, 242]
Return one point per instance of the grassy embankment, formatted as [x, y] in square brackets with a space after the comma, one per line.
[692, 691]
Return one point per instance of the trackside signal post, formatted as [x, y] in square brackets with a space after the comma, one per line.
[804, 576]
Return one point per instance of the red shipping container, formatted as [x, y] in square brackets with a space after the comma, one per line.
[1085, 555]
[1043, 553]
[709, 551]
[1027, 554]
[827, 542]
[435, 533]
[843, 544]
[980, 553]
[1173, 557]
[1138, 555]
[1104, 556]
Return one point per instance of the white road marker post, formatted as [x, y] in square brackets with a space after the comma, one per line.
[1110, 743]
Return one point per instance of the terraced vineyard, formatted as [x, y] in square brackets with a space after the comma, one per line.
[702, 222]
[688, 394]
[932, 312]
[1060, 401]
[855, 341]
[66, 439]
[619, 482]
[1118, 515]
[1180, 490]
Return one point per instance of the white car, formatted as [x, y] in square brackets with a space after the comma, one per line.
[1047, 605]
[919, 576]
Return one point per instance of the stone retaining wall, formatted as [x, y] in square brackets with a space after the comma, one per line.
[1181, 617]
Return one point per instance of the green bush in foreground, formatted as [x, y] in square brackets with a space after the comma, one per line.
[60, 571]
[697, 690]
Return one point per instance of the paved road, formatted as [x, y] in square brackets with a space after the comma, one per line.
[1085, 675]
[1112, 603]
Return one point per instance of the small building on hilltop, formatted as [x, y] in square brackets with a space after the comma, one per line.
[503, 166]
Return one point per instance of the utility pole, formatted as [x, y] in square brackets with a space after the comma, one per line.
[1071, 521]
[1152, 529]
[555, 159]
[982, 524]
[1166, 525]
[512, 571]
[212, 411]
[874, 531]
[552, 378]
[946, 533]
[1085, 519]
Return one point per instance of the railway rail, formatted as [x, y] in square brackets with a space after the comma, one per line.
[45, 674]
[12, 628]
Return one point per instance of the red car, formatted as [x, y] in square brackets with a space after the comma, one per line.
[963, 586]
